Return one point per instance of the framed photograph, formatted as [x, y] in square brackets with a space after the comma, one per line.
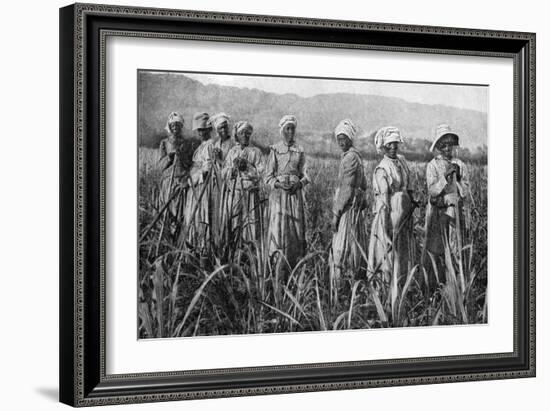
[261, 204]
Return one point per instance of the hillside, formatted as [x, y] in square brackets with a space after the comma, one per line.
[160, 94]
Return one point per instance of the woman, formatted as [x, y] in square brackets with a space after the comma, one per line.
[241, 172]
[286, 176]
[222, 145]
[448, 187]
[175, 160]
[201, 199]
[349, 202]
[224, 142]
[391, 246]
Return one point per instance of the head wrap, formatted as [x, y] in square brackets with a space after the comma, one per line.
[442, 132]
[201, 120]
[218, 119]
[174, 117]
[288, 119]
[347, 128]
[242, 125]
[385, 136]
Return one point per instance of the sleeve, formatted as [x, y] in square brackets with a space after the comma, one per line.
[164, 159]
[228, 165]
[302, 166]
[407, 170]
[382, 200]
[382, 187]
[256, 166]
[464, 192]
[436, 182]
[202, 160]
[271, 169]
[260, 162]
[207, 158]
[346, 186]
[217, 159]
[464, 184]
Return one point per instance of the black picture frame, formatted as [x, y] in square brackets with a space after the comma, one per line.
[83, 29]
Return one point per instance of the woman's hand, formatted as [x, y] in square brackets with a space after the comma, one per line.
[414, 203]
[171, 158]
[458, 172]
[293, 187]
[243, 164]
[452, 169]
[282, 186]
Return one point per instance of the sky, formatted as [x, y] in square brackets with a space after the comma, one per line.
[473, 97]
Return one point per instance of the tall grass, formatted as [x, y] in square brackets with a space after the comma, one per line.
[240, 290]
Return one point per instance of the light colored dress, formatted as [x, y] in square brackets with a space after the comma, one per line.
[179, 167]
[201, 197]
[348, 206]
[225, 146]
[391, 245]
[241, 206]
[223, 193]
[287, 222]
[446, 200]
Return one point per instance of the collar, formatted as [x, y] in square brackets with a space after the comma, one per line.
[352, 149]
[440, 157]
[393, 160]
[282, 148]
[172, 138]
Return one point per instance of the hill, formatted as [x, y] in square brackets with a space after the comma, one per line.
[161, 93]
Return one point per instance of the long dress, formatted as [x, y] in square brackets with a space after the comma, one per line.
[348, 206]
[443, 224]
[241, 206]
[391, 245]
[287, 222]
[224, 146]
[201, 199]
[179, 167]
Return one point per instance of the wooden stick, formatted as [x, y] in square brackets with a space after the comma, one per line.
[157, 217]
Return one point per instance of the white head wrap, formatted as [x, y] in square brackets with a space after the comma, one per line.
[242, 125]
[347, 128]
[385, 136]
[286, 120]
[201, 120]
[174, 117]
[218, 119]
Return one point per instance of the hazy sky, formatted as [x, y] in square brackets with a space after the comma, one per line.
[461, 96]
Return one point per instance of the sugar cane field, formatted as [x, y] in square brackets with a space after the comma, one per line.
[237, 290]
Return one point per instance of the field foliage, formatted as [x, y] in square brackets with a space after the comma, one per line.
[236, 290]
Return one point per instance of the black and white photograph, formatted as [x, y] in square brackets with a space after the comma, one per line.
[273, 204]
[279, 205]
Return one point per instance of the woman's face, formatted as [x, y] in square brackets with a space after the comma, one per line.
[289, 132]
[175, 128]
[223, 131]
[204, 133]
[446, 149]
[243, 137]
[344, 142]
[391, 149]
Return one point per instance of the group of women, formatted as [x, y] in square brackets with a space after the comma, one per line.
[219, 186]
